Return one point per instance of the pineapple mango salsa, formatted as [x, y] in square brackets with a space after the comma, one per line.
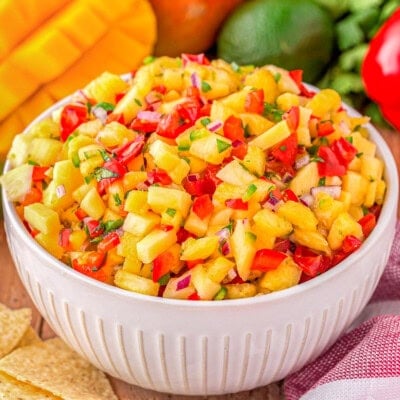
[197, 179]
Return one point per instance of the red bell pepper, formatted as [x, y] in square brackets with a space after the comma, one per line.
[286, 150]
[350, 244]
[239, 149]
[130, 150]
[344, 151]
[64, 236]
[325, 128]
[237, 204]
[381, 69]
[158, 175]
[233, 129]
[90, 264]
[39, 173]
[297, 76]
[312, 264]
[292, 118]
[33, 196]
[329, 164]
[94, 228]
[203, 206]
[197, 58]
[111, 171]
[367, 223]
[254, 101]
[108, 242]
[72, 115]
[267, 260]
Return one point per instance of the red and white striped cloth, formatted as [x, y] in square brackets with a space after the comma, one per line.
[364, 364]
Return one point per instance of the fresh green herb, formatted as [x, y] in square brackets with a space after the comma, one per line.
[112, 225]
[317, 159]
[251, 236]
[349, 139]
[205, 121]
[229, 226]
[148, 60]
[104, 155]
[164, 279]
[252, 188]
[272, 112]
[205, 86]
[247, 132]
[222, 145]
[104, 173]
[117, 199]
[89, 106]
[221, 294]
[358, 155]
[31, 162]
[322, 181]
[323, 141]
[75, 159]
[106, 106]
[277, 77]
[365, 210]
[197, 134]
[138, 102]
[171, 212]
[313, 150]
[186, 159]
[183, 147]
[283, 148]
[88, 178]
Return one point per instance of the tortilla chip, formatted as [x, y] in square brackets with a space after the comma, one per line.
[11, 389]
[54, 367]
[30, 337]
[13, 325]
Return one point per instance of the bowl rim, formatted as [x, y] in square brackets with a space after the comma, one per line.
[390, 203]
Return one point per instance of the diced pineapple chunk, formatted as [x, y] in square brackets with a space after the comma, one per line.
[132, 265]
[155, 243]
[136, 283]
[370, 195]
[371, 168]
[235, 174]
[176, 290]
[263, 79]
[105, 87]
[205, 287]
[380, 192]
[212, 148]
[127, 246]
[312, 239]
[272, 136]
[93, 204]
[306, 178]
[115, 134]
[50, 243]
[327, 209]
[45, 151]
[199, 249]
[132, 178]
[220, 111]
[255, 160]
[240, 290]
[357, 185]
[298, 214]
[218, 268]
[344, 225]
[17, 182]
[161, 199]
[303, 131]
[286, 275]
[196, 225]
[324, 102]
[287, 100]
[171, 217]
[42, 218]
[363, 145]
[243, 244]
[136, 202]
[255, 124]
[236, 100]
[272, 224]
[140, 224]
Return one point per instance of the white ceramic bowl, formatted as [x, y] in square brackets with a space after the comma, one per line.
[202, 348]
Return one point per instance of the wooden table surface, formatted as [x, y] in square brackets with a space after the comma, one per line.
[14, 295]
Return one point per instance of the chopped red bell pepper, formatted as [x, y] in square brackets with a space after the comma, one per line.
[239, 149]
[237, 204]
[254, 101]
[203, 206]
[233, 129]
[39, 173]
[292, 117]
[267, 260]
[111, 171]
[90, 264]
[197, 58]
[129, 150]
[172, 125]
[72, 115]
[198, 185]
[110, 241]
[80, 214]
[33, 196]
[329, 165]
[146, 125]
[312, 264]
[194, 296]
[350, 244]
[64, 236]
[282, 245]
[367, 223]
[286, 151]
[325, 128]
[288, 194]
[94, 228]
[161, 265]
[192, 263]
[182, 235]
[297, 76]
[158, 175]
[344, 151]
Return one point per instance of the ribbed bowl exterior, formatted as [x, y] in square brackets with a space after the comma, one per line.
[203, 348]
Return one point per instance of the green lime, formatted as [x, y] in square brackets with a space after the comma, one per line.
[293, 34]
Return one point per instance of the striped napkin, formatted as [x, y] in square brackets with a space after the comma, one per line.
[364, 364]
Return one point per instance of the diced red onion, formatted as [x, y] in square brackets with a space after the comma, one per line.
[302, 161]
[225, 248]
[150, 116]
[60, 191]
[231, 274]
[214, 126]
[152, 97]
[100, 113]
[195, 79]
[334, 191]
[223, 234]
[307, 200]
[287, 177]
[183, 283]
[193, 177]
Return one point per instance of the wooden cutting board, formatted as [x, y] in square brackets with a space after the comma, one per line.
[14, 295]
